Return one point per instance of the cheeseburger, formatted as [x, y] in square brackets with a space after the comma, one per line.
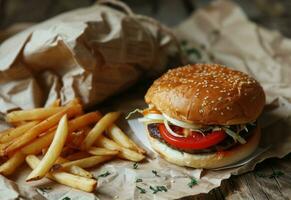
[204, 115]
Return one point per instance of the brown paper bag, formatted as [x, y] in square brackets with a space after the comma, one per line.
[89, 53]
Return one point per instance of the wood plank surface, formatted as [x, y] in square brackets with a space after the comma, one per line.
[257, 185]
[261, 184]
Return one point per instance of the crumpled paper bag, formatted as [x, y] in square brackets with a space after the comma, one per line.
[90, 53]
[238, 43]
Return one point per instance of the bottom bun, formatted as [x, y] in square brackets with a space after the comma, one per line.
[211, 160]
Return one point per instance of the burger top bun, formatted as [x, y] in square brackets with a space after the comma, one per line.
[207, 94]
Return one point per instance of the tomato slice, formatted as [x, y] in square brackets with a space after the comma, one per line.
[195, 141]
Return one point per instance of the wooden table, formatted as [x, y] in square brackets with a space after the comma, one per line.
[261, 184]
[257, 185]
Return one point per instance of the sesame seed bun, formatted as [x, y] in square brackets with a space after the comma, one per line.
[207, 94]
[208, 160]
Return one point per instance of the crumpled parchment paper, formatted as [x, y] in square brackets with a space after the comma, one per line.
[218, 33]
[90, 53]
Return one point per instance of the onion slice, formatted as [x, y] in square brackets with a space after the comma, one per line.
[148, 121]
[235, 136]
[154, 116]
[182, 124]
[170, 130]
[133, 112]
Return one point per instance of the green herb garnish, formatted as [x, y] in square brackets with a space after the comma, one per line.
[215, 32]
[155, 173]
[104, 174]
[135, 165]
[275, 174]
[44, 189]
[192, 182]
[158, 188]
[141, 190]
[184, 43]
[138, 180]
[66, 198]
[260, 174]
[193, 51]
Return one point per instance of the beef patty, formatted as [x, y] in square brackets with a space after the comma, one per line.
[226, 144]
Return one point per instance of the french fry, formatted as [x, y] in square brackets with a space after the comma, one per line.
[55, 103]
[5, 132]
[74, 102]
[78, 182]
[107, 143]
[79, 171]
[67, 150]
[78, 155]
[38, 145]
[101, 126]
[118, 136]
[76, 138]
[131, 155]
[43, 142]
[2, 149]
[84, 120]
[34, 114]
[53, 151]
[97, 151]
[47, 131]
[16, 132]
[124, 152]
[20, 123]
[86, 162]
[44, 125]
[8, 167]
[75, 169]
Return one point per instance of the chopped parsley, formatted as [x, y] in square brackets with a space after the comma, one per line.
[190, 51]
[215, 32]
[104, 174]
[275, 174]
[135, 165]
[184, 43]
[159, 188]
[138, 180]
[66, 198]
[155, 173]
[44, 189]
[193, 51]
[192, 182]
[141, 190]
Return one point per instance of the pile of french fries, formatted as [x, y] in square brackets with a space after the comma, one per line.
[61, 142]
